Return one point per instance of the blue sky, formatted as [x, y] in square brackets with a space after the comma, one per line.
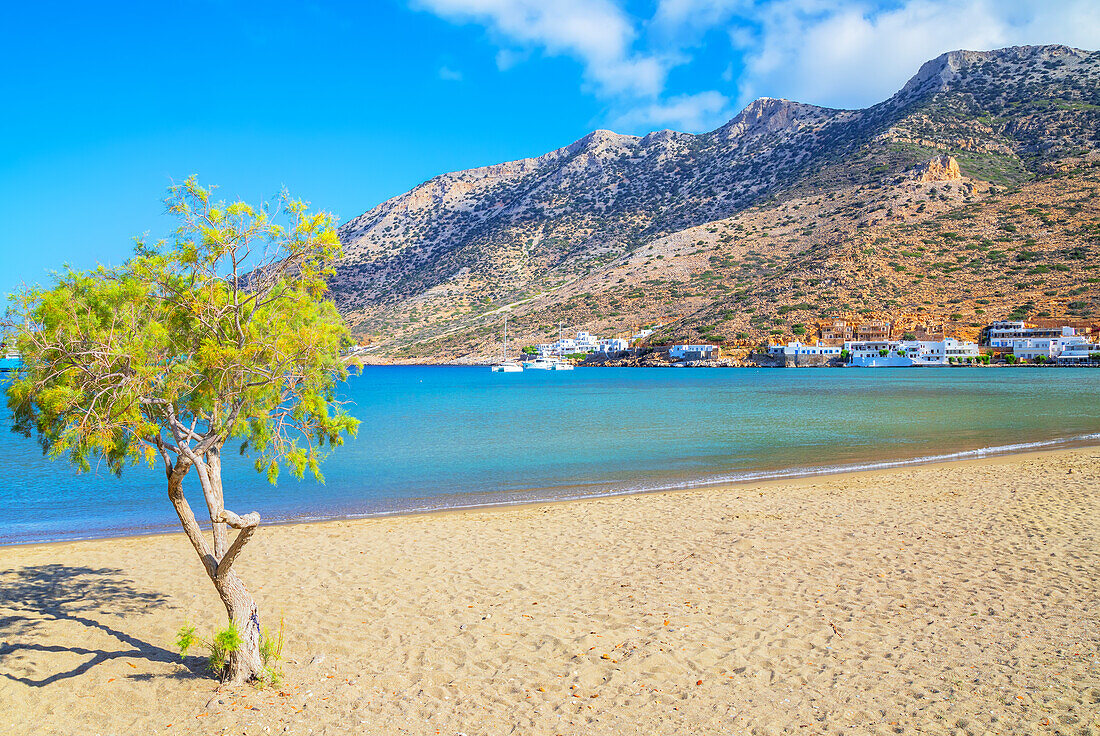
[347, 104]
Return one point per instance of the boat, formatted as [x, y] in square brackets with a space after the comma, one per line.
[505, 365]
[546, 363]
[549, 362]
[560, 363]
[10, 361]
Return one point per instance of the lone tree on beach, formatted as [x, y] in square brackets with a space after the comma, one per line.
[223, 333]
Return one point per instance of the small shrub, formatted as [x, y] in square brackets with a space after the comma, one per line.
[227, 641]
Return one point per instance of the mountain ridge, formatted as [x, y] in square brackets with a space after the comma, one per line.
[437, 259]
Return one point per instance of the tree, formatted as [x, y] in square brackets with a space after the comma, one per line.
[222, 333]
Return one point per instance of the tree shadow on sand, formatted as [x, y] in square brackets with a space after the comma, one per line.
[33, 596]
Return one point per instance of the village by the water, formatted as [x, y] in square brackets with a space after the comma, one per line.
[842, 342]
[837, 343]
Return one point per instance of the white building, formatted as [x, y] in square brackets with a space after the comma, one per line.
[692, 352]
[1079, 352]
[613, 345]
[1006, 333]
[584, 342]
[1049, 348]
[797, 348]
[906, 353]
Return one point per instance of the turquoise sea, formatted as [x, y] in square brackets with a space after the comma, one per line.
[445, 437]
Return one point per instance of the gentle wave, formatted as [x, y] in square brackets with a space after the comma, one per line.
[488, 500]
[521, 498]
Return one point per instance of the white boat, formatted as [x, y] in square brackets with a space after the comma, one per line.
[549, 362]
[505, 365]
[10, 361]
[541, 363]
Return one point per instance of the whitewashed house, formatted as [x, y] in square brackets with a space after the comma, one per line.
[612, 345]
[907, 353]
[584, 342]
[1009, 333]
[1049, 348]
[798, 348]
[1079, 352]
[692, 352]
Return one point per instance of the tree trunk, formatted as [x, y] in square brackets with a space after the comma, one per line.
[245, 664]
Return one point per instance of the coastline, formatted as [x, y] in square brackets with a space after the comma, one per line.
[536, 496]
[892, 600]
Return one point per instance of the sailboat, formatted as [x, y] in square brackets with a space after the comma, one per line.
[550, 362]
[505, 365]
[561, 364]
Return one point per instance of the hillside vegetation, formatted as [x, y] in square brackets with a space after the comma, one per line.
[969, 195]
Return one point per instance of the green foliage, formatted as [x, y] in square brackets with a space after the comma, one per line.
[224, 331]
[224, 643]
[271, 652]
[219, 647]
[227, 641]
[185, 639]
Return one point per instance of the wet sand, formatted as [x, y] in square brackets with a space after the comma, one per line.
[942, 599]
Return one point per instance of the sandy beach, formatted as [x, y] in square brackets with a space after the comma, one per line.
[960, 598]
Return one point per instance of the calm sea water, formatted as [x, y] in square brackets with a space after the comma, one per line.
[441, 437]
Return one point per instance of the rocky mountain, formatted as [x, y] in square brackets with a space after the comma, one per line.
[719, 235]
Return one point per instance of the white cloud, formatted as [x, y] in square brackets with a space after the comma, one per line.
[508, 58]
[596, 32]
[447, 74]
[838, 53]
[694, 16]
[694, 112]
[848, 54]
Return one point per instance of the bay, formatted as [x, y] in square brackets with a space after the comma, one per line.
[438, 437]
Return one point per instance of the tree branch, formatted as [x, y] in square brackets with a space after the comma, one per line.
[247, 525]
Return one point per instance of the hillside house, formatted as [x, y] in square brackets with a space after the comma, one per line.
[693, 352]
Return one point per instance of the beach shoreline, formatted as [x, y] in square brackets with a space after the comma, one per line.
[902, 600]
[753, 478]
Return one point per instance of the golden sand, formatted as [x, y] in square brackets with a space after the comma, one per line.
[940, 599]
